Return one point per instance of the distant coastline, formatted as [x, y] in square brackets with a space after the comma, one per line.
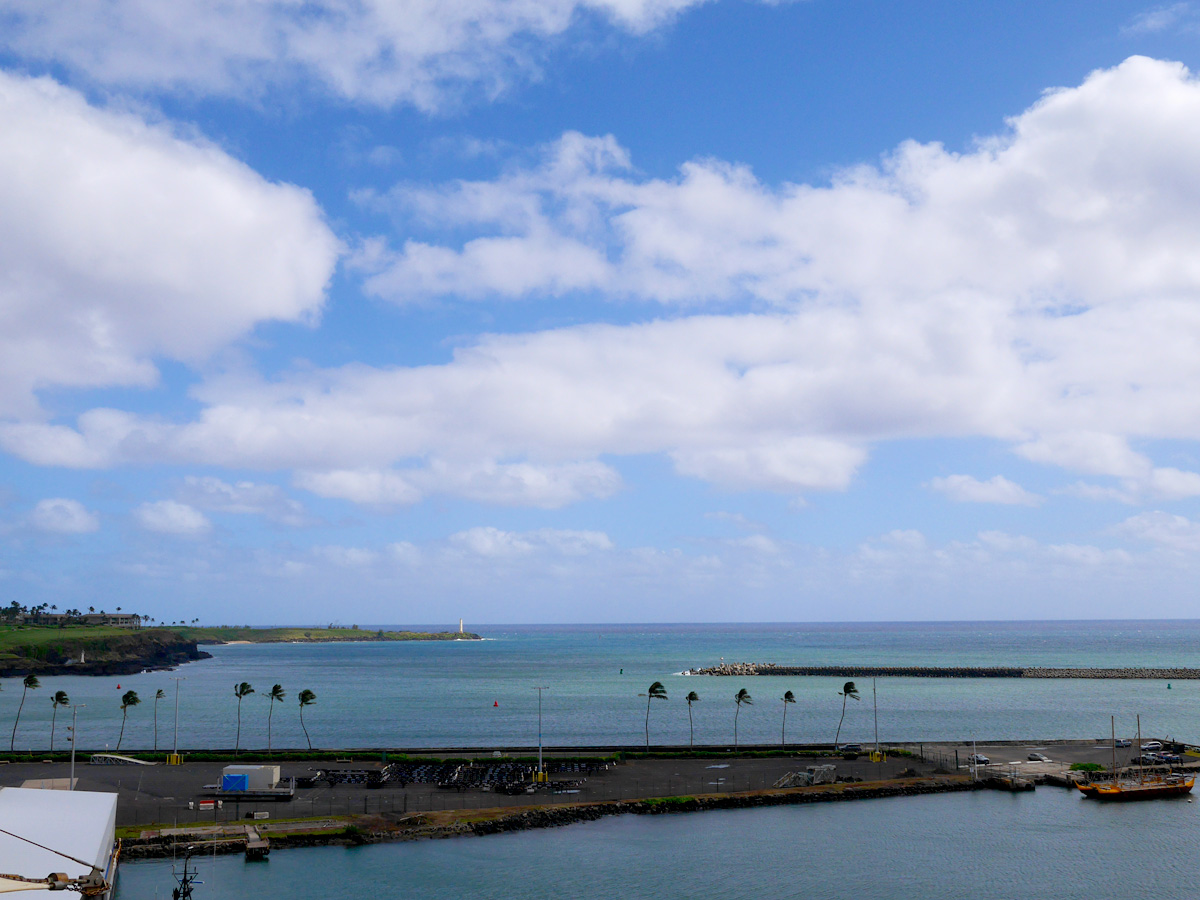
[289, 635]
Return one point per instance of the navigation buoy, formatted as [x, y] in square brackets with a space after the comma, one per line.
[497, 703]
[118, 687]
[1168, 685]
[622, 671]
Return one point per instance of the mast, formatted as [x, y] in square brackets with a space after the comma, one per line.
[1114, 747]
[875, 698]
[1141, 753]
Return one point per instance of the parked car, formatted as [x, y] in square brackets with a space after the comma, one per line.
[1123, 742]
[1038, 757]
[1173, 759]
[1152, 745]
[978, 759]
[1147, 759]
[852, 748]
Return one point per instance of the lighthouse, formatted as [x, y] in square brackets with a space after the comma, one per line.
[460, 626]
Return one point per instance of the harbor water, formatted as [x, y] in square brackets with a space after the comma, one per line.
[1051, 843]
[481, 693]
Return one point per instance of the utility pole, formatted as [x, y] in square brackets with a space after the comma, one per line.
[541, 768]
[175, 746]
[74, 735]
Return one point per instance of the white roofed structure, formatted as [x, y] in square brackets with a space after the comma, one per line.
[80, 824]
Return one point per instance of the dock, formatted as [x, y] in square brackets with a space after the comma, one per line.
[257, 847]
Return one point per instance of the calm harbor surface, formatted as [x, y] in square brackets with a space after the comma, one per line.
[1050, 843]
[480, 693]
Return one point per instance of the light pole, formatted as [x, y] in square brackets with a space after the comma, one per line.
[175, 746]
[541, 768]
[74, 735]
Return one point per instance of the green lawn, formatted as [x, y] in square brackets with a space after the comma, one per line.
[275, 635]
[23, 641]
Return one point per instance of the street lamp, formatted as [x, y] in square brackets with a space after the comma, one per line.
[175, 746]
[539, 689]
[74, 735]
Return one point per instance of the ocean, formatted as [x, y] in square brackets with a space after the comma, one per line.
[482, 693]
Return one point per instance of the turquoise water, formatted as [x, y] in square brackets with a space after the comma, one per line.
[1047, 844]
[481, 693]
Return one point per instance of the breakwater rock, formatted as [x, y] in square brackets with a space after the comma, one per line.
[752, 669]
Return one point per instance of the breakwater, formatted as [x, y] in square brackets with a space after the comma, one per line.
[751, 669]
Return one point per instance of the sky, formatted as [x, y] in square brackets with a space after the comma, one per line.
[401, 311]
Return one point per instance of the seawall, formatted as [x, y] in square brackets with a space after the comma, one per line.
[752, 669]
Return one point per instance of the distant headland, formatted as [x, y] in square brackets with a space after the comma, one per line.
[226, 634]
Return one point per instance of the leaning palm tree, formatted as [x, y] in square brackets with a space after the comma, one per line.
[128, 699]
[788, 697]
[307, 698]
[30, 683]
[848, 692]
[276, 694]
[158, 695]
[240, 691]
[60, 698]
[742, 696]
[656, 691]
[691, 698]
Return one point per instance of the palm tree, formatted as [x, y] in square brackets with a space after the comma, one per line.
[848, 691]
[128, 699]
[276, 694]
[158, 695]
[30, 683]
[788, 697]
[656, 691]
[691, 698]
[307, 698]
[60, 698]
[742, 696]
[240, 690]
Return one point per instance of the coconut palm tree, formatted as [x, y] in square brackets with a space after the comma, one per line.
[691, 698]
[60, 698]
[158, 695]
[276, 694]
[656, 691]
[742, 696]
[240, 691]
[788, 697]
[848, 692]
[307, 698]
[128, 699]
[30, 683]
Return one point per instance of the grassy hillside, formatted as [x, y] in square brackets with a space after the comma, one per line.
[49, 649]
[303, 635]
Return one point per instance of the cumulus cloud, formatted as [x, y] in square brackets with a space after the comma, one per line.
[966, 489]
[243, 498]
[1040, 289]
[60, 515]
[1170, 17]
[379, 51]
[171, 517]
[121, 241]
[1163, 529]
[494, 542]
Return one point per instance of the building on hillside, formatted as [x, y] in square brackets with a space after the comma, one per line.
[116, 620]
[79, 824]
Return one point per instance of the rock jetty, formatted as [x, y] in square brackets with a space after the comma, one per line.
[751, 669]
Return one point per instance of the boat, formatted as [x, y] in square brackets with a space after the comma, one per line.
[1143, 787]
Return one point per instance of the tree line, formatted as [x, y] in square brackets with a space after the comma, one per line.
[130, 699]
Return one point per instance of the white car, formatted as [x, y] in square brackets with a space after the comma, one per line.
[1123, 742]
[1152, 745]
[978, 759]
[1038, 757]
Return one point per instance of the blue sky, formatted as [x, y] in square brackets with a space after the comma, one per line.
[600, 310]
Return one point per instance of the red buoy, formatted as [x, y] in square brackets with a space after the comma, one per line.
[497, 703]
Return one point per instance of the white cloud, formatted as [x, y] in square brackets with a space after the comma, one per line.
[1172, 16]
[346, 557]
[379, 51]
[1041, 289]
[1175, 532]
[171, 517]
[493, 542]
[998, 489]
[60, 515]
[243, 498]
[121, 241]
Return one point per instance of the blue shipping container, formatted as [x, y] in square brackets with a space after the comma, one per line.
[235, 782]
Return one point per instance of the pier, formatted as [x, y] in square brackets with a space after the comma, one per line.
[753, 669]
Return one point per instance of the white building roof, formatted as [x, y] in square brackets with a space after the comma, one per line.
[78, 823]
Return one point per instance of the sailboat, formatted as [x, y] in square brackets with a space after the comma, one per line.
[1171, 784]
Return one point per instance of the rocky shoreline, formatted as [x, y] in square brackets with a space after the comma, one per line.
[753, 669]
[477, 823]
[125, 654]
